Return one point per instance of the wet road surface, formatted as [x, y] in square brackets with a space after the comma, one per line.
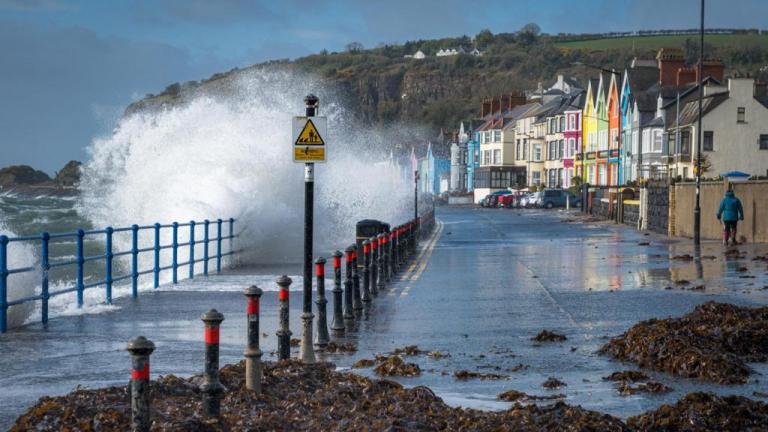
[483, 285]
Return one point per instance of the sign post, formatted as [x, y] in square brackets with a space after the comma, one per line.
[308, 147]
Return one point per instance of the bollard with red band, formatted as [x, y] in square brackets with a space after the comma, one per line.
[374, 266]
[140, 349]
[357, 303]
[211, 388]
[366, 271]
[348, 285]
[337, 325]
[321, 302]
[385, 265]
[380, 262]
[392, 253]
[253, 369]
[283, 332]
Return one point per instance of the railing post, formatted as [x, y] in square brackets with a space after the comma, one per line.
[218, 245]
[45, 267]
[175, 251]
[206, 239]
[80, 262]
[337, 325]
[321, 302]
[3, 283]
[231, 240]
[134, 261]
[108, 265]
[157, 255]
[366, 271]
[252, 350]
[191, 249]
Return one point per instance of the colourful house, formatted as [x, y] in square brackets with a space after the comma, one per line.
[614, 132]
[585, 163]
[434, 171]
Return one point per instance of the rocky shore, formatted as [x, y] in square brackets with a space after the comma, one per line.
[25, 180]
[313, 398]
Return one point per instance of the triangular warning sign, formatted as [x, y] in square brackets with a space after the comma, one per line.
[309, 135]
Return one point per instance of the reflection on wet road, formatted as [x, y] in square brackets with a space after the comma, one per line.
[482, 286]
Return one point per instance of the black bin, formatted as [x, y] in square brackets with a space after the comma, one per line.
[364, 230]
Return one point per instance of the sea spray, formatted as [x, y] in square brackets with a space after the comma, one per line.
[217, 156]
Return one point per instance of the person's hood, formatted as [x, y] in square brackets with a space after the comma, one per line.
[730, 194]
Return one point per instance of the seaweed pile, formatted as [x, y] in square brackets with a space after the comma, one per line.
[705, 412]
[712, 343]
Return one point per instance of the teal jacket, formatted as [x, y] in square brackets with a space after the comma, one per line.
[730, 208]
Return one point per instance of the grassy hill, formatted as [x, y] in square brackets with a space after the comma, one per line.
[656, 42]
[383, 87]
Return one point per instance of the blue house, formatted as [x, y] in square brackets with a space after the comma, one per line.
[473, 157]
[434, 170]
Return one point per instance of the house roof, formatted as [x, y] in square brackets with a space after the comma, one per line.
[763, 100]
[690, 111]
[642, 78]
[519, 112]
[646, 100]
[655, 122]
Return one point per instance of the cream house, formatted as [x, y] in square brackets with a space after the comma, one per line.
[735, 131]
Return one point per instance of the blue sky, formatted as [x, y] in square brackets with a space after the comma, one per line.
[69, 67]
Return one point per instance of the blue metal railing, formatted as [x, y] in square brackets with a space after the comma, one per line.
[80, 261]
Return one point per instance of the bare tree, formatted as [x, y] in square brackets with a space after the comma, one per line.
[354, 47]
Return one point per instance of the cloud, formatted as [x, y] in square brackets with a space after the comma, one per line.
[52, 78]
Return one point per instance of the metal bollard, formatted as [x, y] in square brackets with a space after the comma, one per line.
[374, 273]
[212, 388]
[392, 253]
[380, 262]
[253, 351]
[356, 299]
[321, 302]
[140, 349]
[284, 332]
[337, 325]
[366, 271]
[387, 273]
[348, 286]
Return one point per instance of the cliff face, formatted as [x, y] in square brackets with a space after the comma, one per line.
[21, 175]
[24, 178]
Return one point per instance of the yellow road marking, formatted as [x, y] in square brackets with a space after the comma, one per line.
[429, 249]
[415, 263]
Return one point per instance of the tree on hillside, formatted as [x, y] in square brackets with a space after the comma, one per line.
[354, 47]
[531, 28]
[484, 38]
[529, 34]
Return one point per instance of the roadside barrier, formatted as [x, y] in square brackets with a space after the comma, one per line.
[252, 350]
[382, 255]
[211, 388]
[107, 277]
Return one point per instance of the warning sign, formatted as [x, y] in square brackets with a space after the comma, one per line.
[309, 135]
[309, 139]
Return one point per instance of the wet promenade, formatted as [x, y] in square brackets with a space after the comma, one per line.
[484, 284]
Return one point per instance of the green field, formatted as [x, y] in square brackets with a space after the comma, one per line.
[654, 42]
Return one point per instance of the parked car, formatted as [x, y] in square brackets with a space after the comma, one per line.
[506, 200]
[533, 200]
[557, 198]
[491, 199]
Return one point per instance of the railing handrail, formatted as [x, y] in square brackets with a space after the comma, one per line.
[108, 256]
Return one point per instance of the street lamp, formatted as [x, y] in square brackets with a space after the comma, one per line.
[697, 209]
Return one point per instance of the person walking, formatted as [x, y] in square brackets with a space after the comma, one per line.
[730, 212]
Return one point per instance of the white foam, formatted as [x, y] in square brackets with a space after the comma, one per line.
[20, 255]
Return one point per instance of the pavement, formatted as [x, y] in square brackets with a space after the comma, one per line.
[483, 284]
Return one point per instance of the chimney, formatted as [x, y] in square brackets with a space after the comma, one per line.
[486, 108]
[505, 102]
[711, 68]
[495, 105]
[670, 61]
[685, 76]
[517, 98]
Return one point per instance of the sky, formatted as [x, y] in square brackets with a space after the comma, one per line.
[68, 68]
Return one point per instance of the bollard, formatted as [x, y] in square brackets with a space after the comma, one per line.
[348, 285]
[283, 333]
[140, 349]
[366, 271]
[252, 350]
[337, 325]
[356, 300]
[380, 262]
[211, 387]
[386, 254]
[392, 253]
[374, 266]
[321, 302]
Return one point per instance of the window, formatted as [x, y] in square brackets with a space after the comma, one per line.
[497, 136]
[572, 122]
[685, 142]
[536, 179]
[572, 147]
[671, 143]
[552, 153]
[657, 141]
[486, 157]
[763, 142]
[551, 126]
[537, 152]
[518, 151]
[562, 124]
[496, 157]
[709, 141]
[741, 115]
[560, 149]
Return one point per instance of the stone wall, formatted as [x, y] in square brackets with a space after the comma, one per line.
[658, 208]
[631, 214]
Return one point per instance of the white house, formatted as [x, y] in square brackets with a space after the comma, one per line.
[450, 52]
[419, 55]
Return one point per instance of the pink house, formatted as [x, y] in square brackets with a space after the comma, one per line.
[572, 136]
